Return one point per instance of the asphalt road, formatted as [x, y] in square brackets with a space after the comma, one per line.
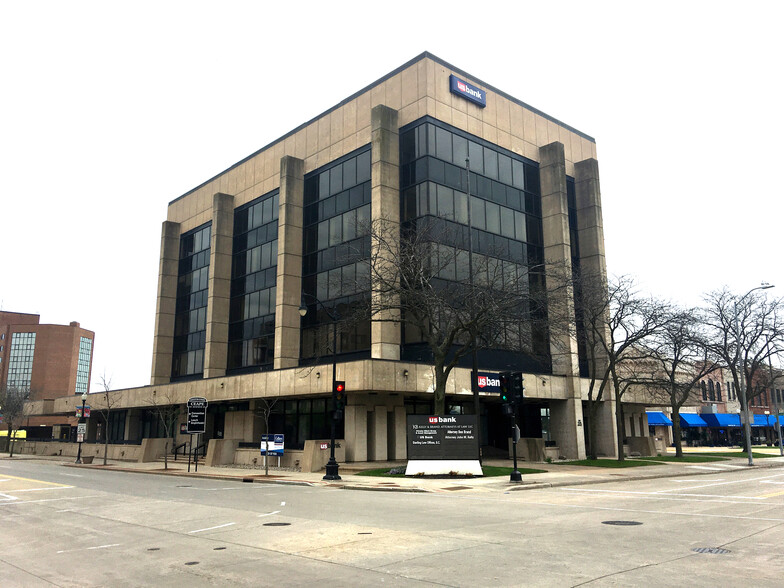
[64, 526]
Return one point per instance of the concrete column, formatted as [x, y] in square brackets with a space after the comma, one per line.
[398, 449]
[590, 229]
[166, 306]
[385, 216]
[378, 450]
[289, 278]
[132, 424]
[355, 432]
[567, 426]
[606, 437]
[216, 352]
[558, 257]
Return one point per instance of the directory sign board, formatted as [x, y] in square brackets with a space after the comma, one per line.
[272, 444]
[441, 437]
[197, 414]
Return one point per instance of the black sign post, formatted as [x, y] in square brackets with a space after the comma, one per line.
[197, 423]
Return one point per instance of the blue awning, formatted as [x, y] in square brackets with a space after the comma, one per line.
[764, 420]
[658, 418]
[721, 419]
[690, 419]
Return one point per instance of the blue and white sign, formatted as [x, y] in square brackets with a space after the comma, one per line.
[467, 91]
[272, 444]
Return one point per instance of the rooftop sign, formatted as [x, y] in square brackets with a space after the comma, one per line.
[467, 91]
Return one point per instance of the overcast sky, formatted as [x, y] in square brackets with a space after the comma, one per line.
[112, 109]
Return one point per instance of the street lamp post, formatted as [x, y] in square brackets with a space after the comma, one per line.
[743, 400]
[332, 466]
[81, 421]
[775, 403]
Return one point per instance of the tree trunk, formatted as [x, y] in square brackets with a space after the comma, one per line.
[619, 425]
[439, 393]
[676, 431]
[166, 455]
[593, 407]
[11, 439]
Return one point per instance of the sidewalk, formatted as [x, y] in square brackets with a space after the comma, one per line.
[555, 474]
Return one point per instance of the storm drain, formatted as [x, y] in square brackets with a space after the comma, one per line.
[457, 488]
[716, 550]
[191, 563]
[622, 523]
[219, 549]
[153, 549]
[276, 524]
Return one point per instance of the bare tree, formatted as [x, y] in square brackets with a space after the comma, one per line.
[614, 322]
[424, 278]
[12, 407]
[264, 408]
[744, 331]
[683, 357]
[108, 403]
[168, 412]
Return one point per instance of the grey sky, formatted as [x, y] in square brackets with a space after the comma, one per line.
[112, 109]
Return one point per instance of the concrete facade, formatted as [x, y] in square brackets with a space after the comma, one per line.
[380, 386]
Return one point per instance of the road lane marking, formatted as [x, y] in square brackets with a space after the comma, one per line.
[49, 500]
[658, 493]
[72, 475]
[8, 497]
[679, 481]
[770, 482]
[212, 528]
[724, 483]
[712, 469]
[772, 494]
[266, 514]
[38, 481]
[89, 548]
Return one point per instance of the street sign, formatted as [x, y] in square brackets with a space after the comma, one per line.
[197, 414]
[81, 429]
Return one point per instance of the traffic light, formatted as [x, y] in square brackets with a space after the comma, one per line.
[339, 394]
[504, 386]
[517, 388]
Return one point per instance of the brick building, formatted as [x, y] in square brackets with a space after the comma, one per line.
[47, 361]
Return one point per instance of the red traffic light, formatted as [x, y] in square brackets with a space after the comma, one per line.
[340, 387]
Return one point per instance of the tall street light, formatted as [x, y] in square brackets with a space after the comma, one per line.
[332, 465]
[744, 402]
[80, 437]
[775, 402]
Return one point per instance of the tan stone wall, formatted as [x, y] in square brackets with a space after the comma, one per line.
[421, 89]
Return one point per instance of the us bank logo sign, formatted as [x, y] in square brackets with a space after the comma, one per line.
[467, 91]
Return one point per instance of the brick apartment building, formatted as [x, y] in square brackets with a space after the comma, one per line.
[48, 361]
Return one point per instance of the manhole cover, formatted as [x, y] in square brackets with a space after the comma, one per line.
[153, 549]
[219, 549]
[364, 533]
[276, 524]
[191, 563]
[717, 550]
[185, 486]
[622, 523]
